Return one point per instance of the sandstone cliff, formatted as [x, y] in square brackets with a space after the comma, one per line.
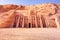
[45, 12]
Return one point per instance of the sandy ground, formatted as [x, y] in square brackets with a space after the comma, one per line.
[29, 34]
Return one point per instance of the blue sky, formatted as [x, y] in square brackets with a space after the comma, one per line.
[28, 2]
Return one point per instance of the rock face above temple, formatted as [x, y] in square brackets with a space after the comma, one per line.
[46, 12]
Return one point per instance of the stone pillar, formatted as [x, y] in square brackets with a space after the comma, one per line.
[21, 21]
[34, 21]
[57, 20]
[45, 21]
[39, 22]
[26, 22]
[17, 21]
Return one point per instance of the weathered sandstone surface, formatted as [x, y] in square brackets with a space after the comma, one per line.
[40, 15]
